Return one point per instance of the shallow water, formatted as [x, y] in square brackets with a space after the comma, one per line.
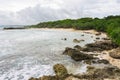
[32, 52]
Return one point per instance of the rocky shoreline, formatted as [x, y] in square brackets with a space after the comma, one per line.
[90, 54]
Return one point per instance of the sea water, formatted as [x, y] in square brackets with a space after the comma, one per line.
[32, 52]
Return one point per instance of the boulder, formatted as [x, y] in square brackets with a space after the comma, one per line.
[77, 55]
[60, 70]
[77, 47]
[100, 46]
[115, 53]
[68, 51]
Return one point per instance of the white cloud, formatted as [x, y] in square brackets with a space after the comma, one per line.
[34, 11]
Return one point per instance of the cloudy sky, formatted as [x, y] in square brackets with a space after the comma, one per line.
[22, 12]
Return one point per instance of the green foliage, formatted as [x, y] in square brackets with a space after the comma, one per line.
[110, 24]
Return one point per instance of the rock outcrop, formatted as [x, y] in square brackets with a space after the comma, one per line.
[115, 53]
[77, 55]
[100, 46]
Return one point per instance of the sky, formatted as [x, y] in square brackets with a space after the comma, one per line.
[27, 12]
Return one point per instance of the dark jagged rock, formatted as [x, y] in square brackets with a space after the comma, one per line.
[68, 51]
[77, 55]
[98, 61]
[77, 47]
[100, 46]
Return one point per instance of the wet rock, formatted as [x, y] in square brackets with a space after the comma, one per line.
[64, 39]
[76, 41]
[77, 55]
[60, 70]
[97, 38]
[103, 61]
[33, 78]
[90, 69]
[88, 62]
[82, 35]
[68, 51]
[82, 40]
[77, 47]
[98, 61]
[72, 78]
[49, 78]
[97, 34]
[101, 73]
[106, 38]
[91, 36]
[100, 46]
[115, 53]
[107, 72]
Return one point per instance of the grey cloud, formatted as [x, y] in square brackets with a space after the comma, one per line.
[62, 9]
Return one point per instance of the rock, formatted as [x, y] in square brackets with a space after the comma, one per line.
[100, 46]
[82, 35]
[99, 33]
[93, 73]
[98, 61]
[68, 51]
[115, 53]
[77, 47]
[76, 41]
[107, 72]
[106, 38]
[60, 70]
[89, 62]
[77, 55]
[91, 36]
[97, 38]
[103, 61]
[72, 78]
[64, 39]
[82, 40]
[49, 78]
[33, 78]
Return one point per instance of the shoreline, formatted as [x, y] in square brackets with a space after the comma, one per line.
[92, 31]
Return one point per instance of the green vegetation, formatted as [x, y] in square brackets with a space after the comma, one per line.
[110, 24]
